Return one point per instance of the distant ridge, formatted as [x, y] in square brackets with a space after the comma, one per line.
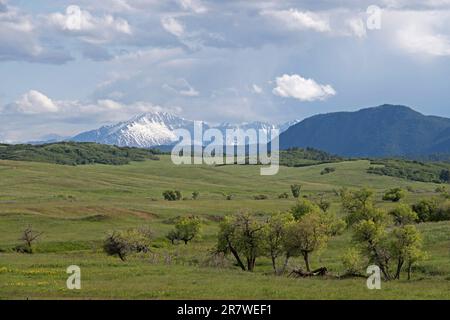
[384, 131]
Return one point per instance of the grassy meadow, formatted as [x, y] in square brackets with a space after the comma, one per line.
[76, 206]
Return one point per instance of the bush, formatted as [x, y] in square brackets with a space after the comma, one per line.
[283, 195]
[327, 171]
[122, 243]
[195, 195]
[303, 207]
[295, 189]
[425, 209]
[260, 197]
[352, 262]
[394, 195]
[403, 215]
[172, 195]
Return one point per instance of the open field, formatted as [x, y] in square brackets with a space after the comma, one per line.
[76, 207]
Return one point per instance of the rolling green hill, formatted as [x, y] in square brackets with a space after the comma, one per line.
[73, 153]
[76, 206]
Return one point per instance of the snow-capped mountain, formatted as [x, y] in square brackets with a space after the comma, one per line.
[157, 129]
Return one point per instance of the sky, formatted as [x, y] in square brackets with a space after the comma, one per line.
[71, 66]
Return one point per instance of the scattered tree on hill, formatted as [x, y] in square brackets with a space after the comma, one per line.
[403, 215]
[186, 229]
[295, 189]
[303, 207]
[275, 233]
[122, 243]
[327, 170]
[29, 238]
[195, 195]
[242, 235]
[394, 195]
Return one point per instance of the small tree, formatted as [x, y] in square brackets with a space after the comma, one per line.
[295, 189]
[186, 229]
[323, 204]
[352, 262]
[29, 238]
[406, 246]
[242, 235]
[310, 233]
[425, 209]
[122, 243]
[356, 201]
[195, 195]
[403, 215]
[275, 232]
[394, 195]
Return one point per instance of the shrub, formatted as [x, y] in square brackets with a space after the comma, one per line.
[327, 171]
[403, 215]
[283, 195]
[303, 207]
[29, 238]
[394, 195]
[352, 262]
[195, 195]
[260, 197]
[122, 243]
[425, 209]
[172, 195]
[295, 189]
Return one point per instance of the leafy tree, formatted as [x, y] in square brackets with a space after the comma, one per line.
[186, 229]
[406, 246]
[295, 189]
[303, 207]
[425, 209]
[275, 232]
[394, 195]
[242, 235]
[356, 201]
[403, 215]
[310, 233]
[323, 204]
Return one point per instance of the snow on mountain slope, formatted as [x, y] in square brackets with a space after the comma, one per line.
[156, 129]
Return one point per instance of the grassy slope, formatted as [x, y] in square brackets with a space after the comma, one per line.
[77, 206]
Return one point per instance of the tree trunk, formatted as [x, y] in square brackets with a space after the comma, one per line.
[286, 261]
[399, 269]
[238, 259]
[274, 265]
[409, 271]
[306, 258]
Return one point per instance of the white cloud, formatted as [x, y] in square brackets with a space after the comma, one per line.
[257, 89]
[33, 102]
[92, 28]
[195, 6]
[357, 27]
[182, 87]
[295, 86]
[294, 19]
[173, 26]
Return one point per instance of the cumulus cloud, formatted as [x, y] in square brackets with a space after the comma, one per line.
[294, 19]
[93, 28]
[33, 102]
[295, 86]
[182, 87]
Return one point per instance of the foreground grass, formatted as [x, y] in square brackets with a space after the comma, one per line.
[76, 207]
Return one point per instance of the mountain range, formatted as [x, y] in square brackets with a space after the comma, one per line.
[383, 131]
[157, 129]
[387, 130]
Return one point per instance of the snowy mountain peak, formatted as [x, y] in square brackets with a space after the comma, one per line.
[156, 129]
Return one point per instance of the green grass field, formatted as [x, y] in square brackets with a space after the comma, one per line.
[75, 208]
